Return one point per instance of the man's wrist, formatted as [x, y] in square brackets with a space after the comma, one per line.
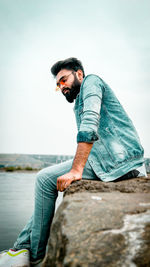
[77, 171]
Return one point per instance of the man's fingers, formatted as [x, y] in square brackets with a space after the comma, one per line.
[58, 184]
[63, 183]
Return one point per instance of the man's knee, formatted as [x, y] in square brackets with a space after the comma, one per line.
[41, 177]
[45, 180]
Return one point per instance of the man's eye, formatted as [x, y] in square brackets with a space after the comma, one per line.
[63, 81]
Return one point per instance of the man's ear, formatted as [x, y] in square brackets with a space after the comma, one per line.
[80, 75]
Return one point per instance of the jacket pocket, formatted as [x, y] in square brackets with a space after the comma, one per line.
[113, 144]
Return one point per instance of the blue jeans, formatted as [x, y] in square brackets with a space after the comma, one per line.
[35, 234]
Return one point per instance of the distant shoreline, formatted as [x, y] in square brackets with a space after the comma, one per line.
[20, 169]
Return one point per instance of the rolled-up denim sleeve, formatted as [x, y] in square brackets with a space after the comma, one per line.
[90, 116]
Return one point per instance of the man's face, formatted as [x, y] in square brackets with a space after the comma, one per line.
[69, 82]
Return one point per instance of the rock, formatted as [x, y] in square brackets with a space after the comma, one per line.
[102, 224]
[134, 185]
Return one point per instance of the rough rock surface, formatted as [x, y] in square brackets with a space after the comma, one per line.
[102, 224]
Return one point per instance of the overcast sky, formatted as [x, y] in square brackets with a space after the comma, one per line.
[111, 38]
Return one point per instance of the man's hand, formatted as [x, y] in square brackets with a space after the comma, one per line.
[76, 171]
[65, 180]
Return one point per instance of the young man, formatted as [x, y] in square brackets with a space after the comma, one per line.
[108, 148]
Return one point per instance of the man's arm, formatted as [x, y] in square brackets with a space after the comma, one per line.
[82, 153]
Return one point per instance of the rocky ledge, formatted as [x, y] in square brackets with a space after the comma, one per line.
[102, 224]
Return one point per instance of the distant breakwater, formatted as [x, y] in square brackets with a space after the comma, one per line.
[35, 162]
[29, 162]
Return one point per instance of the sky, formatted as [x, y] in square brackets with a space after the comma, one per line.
[111, 38]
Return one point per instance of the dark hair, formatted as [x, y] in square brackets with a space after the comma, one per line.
[71, 63]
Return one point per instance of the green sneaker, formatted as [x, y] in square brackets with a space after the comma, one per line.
[12, 258]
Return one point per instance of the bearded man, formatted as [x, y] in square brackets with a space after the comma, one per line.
[108, 149]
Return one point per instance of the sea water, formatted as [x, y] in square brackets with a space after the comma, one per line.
[16, 204]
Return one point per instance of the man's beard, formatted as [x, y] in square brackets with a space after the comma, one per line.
[73, 91]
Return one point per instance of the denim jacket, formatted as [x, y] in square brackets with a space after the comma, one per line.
[101, 120]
